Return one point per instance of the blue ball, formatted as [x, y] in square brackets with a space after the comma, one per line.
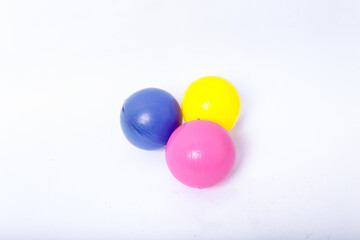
[148, 118]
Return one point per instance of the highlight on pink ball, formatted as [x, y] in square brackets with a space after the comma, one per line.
[200, 153]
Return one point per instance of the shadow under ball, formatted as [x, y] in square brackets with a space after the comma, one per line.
[148, 118]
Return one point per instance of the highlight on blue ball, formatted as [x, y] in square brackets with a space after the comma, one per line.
[148, 118]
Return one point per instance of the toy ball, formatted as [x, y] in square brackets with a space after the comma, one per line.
[148, 118]
[212, 98]
[200, 153]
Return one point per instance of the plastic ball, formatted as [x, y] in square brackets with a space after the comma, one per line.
[200, 153]
[148, 118]
[212, 98]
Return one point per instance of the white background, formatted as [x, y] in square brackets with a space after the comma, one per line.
[67, 172]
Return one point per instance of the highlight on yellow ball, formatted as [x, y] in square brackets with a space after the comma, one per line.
[211, 98]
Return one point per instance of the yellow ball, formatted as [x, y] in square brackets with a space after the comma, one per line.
[214, 99]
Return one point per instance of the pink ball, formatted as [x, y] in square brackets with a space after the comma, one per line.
[200, 153]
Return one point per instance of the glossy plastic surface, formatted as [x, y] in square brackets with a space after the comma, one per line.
[200, 153]
[148, 118]
[212, 98]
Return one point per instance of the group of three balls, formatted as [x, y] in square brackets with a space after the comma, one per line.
[200, 152]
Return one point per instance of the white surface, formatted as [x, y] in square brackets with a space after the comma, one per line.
[67, 172]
